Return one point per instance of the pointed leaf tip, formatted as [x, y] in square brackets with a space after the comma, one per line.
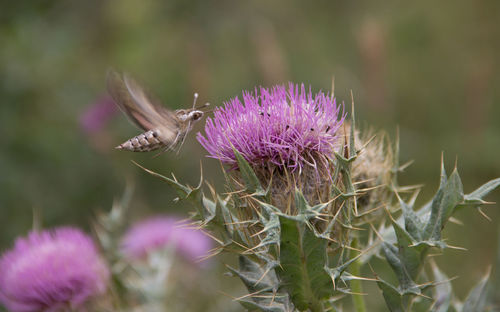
[249, 177]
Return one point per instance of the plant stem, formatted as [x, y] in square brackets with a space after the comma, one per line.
[357, 288]
[316, 306]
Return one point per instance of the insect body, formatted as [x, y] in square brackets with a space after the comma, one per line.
[164, 128]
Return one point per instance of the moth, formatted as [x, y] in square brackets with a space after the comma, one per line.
[164, 129]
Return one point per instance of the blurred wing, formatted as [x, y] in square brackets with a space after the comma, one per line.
[139, 106]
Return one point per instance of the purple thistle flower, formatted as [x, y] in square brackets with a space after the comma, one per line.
[51, 270]
[282, 127]
[97, 116]
[161, 231]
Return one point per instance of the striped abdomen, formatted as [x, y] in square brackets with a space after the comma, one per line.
[144, 142]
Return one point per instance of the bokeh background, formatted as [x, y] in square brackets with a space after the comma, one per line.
[430, 67]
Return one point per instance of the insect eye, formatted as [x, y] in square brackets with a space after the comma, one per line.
[197, 116]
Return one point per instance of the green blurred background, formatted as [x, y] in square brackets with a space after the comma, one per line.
[430, 67]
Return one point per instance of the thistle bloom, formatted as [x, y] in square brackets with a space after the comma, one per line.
[161, 231]
[51, 270]
[285, 128]
[97, 116]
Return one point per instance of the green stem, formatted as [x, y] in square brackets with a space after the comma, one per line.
[356, 287]
[316, 306]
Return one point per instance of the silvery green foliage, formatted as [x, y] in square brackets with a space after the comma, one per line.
[160, 281]
[144, 283]
[293, 267]
[416, 233]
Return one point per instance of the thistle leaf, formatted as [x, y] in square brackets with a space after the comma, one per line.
[442, 291]
[301, 202]
[399, 268]
[254, 276]
[253, 306]
[302, 262]
[252, 183]
[261, 281]
[476, 198]
[447, 198]
[476, 300]
[410, 256]
[412, 221]
[391, 295]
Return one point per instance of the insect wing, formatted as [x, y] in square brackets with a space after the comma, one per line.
[139, 108]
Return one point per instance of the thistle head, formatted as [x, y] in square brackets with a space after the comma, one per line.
[165, 231]
[52, 270]
[287, 135]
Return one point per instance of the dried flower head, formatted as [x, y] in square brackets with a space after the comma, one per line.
[372, 170]
[162, 231]
[51, 270]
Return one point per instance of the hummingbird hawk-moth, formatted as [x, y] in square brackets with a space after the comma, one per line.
[163, 128]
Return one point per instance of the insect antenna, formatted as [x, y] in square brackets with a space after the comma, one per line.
[201, 106]
[194, 100]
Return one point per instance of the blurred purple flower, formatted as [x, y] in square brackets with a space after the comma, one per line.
[161, 231]
[284, 127]
[96, 116]
[51, 270]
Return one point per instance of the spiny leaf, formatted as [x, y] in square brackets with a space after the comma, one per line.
[412, 221]
[254, 306]
[261, 280]
[252, 183]
[409, 256]
[213, 217]
[442, 291]
[399, 268]
[254, 276]
[476, 300]
[182, 190]
[443, 205]
[395, 299]
[476, 197]
[391, 295]
[302, 261]
[300, 202]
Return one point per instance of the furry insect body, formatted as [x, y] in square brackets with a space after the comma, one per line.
[144, 142]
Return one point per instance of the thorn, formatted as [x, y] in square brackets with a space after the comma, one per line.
[362, 181]
[364, 190]
[457, 248]
[262, 277]
[364, 278]
[483, 214]
[456, 221]
[214, 238]
[435, 255]
[376, 232]
[226, 294]
[406, 165]
[356, 293]
[373, 271]
[369, 140]
[333, 87]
